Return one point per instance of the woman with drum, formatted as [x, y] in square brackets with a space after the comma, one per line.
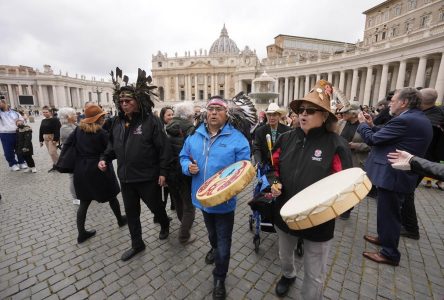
[301, 157]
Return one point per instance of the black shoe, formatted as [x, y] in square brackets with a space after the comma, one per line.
[164, 232]
[409, 234]
[85, 235]
[128, 254]
[283, 285]
[219, 292]
[123, 221]
[156, 220]
[209, 259]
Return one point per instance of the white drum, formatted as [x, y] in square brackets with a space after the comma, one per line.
[326, 199]
[226, 183]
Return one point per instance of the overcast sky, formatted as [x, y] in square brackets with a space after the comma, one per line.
[91, 37]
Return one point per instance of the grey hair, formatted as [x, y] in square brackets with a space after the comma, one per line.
[429, 96]
[184, 110]
[64, 114]
[412, 95]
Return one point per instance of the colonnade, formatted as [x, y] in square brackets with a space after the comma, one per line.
[369, 84]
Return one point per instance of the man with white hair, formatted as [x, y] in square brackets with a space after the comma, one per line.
[8, 136]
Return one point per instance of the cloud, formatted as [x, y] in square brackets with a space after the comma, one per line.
[92, 37]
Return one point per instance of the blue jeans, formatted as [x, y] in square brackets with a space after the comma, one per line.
[8, 143]
[220, 230]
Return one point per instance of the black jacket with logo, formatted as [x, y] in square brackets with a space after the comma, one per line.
[302, 160]
[140, 147]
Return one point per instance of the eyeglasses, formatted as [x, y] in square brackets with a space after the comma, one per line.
[216, 109]
[126, 101]
[308, 110]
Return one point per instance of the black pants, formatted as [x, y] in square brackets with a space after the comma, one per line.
[83, 209]
[149, 192]
[409, 219]
[29, 161]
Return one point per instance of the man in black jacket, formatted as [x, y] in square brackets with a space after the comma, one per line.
[274, 129]
[139, 143]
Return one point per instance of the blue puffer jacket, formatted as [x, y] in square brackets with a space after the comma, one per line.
[227, 148]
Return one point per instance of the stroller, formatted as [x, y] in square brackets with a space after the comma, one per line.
[262, 209]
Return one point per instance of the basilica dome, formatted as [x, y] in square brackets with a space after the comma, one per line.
[224, 45]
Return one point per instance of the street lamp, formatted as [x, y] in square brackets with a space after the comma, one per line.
[98, 92]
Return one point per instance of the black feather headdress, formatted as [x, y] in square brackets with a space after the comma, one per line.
[143, 91]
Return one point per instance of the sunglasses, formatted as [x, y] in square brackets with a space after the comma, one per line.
[308, 110]
[126, 101]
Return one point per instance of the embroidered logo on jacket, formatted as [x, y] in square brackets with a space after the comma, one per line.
[138, 129]
[317, 155]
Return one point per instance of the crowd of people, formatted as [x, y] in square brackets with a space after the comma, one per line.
[176, 152]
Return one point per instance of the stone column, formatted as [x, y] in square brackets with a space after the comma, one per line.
[342, 81]
[307, 84]
[29, 90]
[20, 90]
[368, 85]
[354, 85]
[420, 73]
[394, 77]
[434, 74]
[296, 87]
[10, 96]
[291, 90]
[205, 87]
[330, 77]
[55, 96]
[176, 86]
[196, 88]
[413, 73]
[189, 88]
[318, 77]
[383, 86]
[401, 74]
[40, 100]
[227, 86]
[377, 84]
[362, 87]
[286, 91]
[439, 87]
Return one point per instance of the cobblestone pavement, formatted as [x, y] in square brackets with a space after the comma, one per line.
[40, 258]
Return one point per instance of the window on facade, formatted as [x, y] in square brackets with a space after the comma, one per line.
[182, 95]
[370, 22]
[411, 4]
[393, 31]
[201, 94]
[441, 15]
[222, 93]
[397, 10]
[378, 19]
[159, 64]
[383, 35]
[385, 16]
[409, 26]
[89, 96]
[424, 21]
[107, 97]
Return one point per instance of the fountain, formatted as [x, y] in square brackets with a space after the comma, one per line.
[263, 90]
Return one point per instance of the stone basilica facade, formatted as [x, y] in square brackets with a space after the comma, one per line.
[403, 45]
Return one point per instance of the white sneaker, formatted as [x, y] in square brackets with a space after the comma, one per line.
[34, 170]
[76, 201]
[23, 166]
[15, 168]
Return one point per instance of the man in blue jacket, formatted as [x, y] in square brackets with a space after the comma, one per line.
[408, 130]
[215, 145]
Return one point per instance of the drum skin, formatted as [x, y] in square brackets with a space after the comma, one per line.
[326, 199]
[226, 183]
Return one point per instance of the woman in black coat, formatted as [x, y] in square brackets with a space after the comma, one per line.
[89, 182]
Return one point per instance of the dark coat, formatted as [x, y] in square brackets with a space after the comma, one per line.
[411, 132]
[302, 160]
[140, 146]
[427, 168]
[260, 148]
[24, 141]
[89, 182]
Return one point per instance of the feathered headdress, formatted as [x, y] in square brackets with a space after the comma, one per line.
[143, 91]
[241, 113]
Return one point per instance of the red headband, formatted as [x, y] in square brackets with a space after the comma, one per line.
[217, 102]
